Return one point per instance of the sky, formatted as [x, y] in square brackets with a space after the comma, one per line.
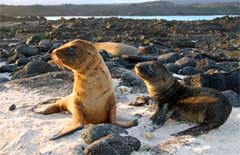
[51, 2]
[56, 2]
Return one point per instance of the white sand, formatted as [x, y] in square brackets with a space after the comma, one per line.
[25, 133]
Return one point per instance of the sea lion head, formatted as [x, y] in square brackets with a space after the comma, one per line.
[76, 55]
[155, 75]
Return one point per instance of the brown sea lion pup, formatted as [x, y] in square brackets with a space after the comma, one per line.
[207, 107]
[93, 99]
[117, 49]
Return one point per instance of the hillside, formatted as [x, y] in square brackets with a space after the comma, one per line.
[140, 9]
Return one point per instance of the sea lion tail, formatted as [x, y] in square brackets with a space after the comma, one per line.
[194, 131]
[126, 124]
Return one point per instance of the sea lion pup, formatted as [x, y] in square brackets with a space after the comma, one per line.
[93, 99]
[208, 107]
[117, 49]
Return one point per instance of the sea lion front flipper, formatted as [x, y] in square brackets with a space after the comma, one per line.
[194, 131]
[162, 114]
[77, 124]
[67, 130]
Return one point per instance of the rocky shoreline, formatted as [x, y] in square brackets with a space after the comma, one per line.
[198, 53]
[186, 48]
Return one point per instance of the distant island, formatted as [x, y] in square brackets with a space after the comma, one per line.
[133, 9]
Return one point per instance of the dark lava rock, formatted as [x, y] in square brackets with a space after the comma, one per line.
[8, 68]
[106, 55]
[123, 62]
[22, 61]
[206, 64]
[140, 101]
[47, 83]
[152, 49]
[188, 70]
[186, 61]
[27, 50]
[3, 79]
[129, 79]
[233, 97]
[185, 44]
[57, 44]
[112, 64]
[46, 57]
[45, 43]
[169, 57]
[33, 68]
[34, 39]
[113, 145]
[219, 81]
[15, 57]
[139, 58]
[12, 107]
[95, 132]
[4, 53]
[227, 66]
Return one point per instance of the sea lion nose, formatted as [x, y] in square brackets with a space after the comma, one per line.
[54, 54]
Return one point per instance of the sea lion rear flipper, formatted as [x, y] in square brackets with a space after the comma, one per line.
[126, 124]
[50, 110]
[194, 131]
[58, 105]
[113, 117]
[67, 130]
[49, 101]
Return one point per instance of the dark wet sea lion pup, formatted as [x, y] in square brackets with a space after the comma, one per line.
[207, 107]
[93, 99]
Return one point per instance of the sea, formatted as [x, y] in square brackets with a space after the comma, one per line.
[169, 18]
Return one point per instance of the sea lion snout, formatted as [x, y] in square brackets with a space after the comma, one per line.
[144, 70]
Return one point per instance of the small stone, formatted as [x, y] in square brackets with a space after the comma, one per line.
[140, 101]
[12, 107]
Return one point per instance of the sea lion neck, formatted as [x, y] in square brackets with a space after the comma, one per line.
[169, 94]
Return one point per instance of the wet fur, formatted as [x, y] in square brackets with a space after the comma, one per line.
[93, 99]
[207, 107]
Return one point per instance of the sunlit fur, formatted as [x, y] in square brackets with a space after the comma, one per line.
[93, 99]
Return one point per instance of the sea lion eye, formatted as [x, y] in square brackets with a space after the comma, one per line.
[72, 51]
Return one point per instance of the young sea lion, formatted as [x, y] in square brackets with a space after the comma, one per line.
[117, 49]
[208, 107]
[93, 99]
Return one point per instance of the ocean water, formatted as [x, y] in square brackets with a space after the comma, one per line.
[169, 18]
